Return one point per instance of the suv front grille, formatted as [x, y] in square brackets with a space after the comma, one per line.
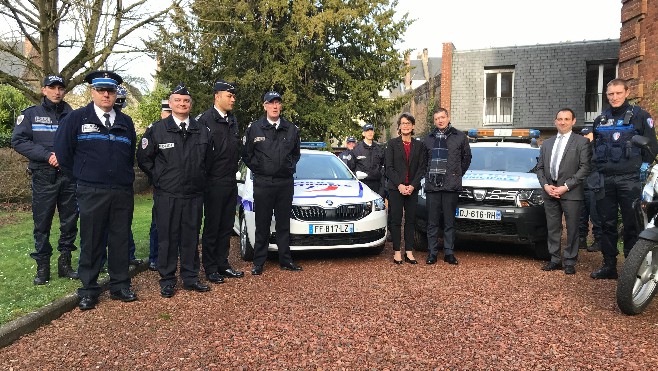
[492, 197]
[487, 227]
[341, 213]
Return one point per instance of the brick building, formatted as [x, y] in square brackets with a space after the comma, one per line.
[638, 55]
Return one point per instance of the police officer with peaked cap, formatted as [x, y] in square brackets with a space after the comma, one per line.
[619, 161]
[176, 153]
[369, 158]
[33, 137]
[346, 156]
[165, 112]
[221, 191]
[271, 150]
[96, 144]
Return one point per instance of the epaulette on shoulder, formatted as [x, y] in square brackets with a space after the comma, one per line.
[32, 106]
[199, 116]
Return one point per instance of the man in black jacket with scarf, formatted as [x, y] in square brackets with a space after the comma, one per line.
[448, 158]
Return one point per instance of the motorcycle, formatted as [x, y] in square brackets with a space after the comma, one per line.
[638, 279]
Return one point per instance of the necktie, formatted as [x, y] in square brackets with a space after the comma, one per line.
[558, 148]
[182, 128]
[107, 120]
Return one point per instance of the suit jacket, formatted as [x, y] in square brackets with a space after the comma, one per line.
[574, 166]
[397, 165]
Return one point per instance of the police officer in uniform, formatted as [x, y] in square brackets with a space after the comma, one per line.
[369, 158]
[97, 145]
[221, 192]
[346, 156]
[619, 162]
[272, 150]
[33, 137]
[176, 154]
[165, 111]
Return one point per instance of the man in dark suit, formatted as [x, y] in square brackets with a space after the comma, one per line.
[564, 163]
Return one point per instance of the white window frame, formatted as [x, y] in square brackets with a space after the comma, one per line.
[498, 119]
[591, 116]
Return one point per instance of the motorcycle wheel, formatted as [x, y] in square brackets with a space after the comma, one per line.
[638, 281]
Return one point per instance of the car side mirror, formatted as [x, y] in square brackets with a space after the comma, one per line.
[360, 175]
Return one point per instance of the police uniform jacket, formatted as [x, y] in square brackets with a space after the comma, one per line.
[95, 155]
[347, 157]
[176, 166]
[459, 159]
[34, 133]
[369, 159]
[226, 142]
[613, 151]
[271, 153]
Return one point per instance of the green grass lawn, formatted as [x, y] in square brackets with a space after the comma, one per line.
[18, 296]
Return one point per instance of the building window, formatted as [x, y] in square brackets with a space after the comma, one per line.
[598, 76]
[498, 96]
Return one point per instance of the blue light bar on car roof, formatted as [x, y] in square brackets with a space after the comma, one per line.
[313, 145]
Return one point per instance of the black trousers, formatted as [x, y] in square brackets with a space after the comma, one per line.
[374, 185]
[178, 223]
[441, 206]
[104, 212]
[273, 195]
[588, 214]
[398, 203]
[52, 189]
[620, 190]
[219, 213]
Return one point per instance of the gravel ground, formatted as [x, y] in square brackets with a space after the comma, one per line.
[354, 311]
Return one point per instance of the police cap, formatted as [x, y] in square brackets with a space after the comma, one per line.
[270, 96]
[54, 80]
[181, 89]
[103, 79]
[367, 127]
[351, 140]
[165, 105]
[222, 85]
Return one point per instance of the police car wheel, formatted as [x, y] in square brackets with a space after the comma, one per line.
[246, 249]
[420, 240]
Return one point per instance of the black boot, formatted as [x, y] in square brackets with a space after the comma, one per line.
[606, 272]
[43, 273]
[64, 266]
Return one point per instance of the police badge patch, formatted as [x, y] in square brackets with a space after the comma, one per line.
[19, 119]
[650, 122]
[615, 136]
[145, 143]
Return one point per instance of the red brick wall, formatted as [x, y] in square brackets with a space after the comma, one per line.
[638, 55]
[446, 74]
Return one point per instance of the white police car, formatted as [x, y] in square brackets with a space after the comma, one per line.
[331, 208]
[501, 197]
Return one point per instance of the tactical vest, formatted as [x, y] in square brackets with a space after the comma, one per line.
[613, 138]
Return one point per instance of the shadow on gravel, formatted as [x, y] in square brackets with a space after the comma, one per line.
[337, 254]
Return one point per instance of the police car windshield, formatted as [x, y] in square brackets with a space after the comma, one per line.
[322, 167]
[518, 160]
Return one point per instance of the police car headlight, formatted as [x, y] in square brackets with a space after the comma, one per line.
[529, 197]
[379, 204]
